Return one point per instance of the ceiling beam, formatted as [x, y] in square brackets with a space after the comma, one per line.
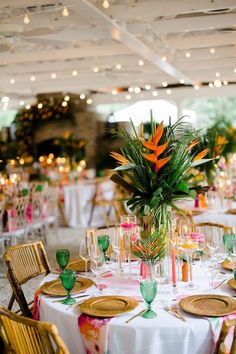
[210, 40]
[162, 8]
[71, 53]
[187, 24]
[121, 35]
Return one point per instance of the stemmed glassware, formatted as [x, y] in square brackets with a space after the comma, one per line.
[97, 262]
[62, 256]
[103, 243]
[68, 279]
[84, 252]
[148, 288]
[115, 243]
[128, 227]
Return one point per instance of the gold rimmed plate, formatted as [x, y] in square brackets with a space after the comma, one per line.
[227, 264]
[78, 265]
[108, 306]
[232, 283]
[55, 288]
[208, 305]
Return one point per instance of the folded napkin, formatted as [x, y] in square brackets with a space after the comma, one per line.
[216, 325]
[36, 304]
[94, 331]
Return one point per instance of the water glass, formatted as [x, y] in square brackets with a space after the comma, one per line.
[97, 262]
[63, 257]
[148, 288]
[68, 279]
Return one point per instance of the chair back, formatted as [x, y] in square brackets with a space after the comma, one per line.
[221, 347]
[22, 335]
[52, 196]
[25, 262]
[20, 205]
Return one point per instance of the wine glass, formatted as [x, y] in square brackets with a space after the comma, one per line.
[103, 243]
[148, 288]
[84, 252]
[97, 262]
[63, 257]
[68, 279]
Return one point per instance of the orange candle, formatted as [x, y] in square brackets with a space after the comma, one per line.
[173, 267]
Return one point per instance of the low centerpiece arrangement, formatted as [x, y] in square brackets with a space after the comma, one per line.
[157, 172]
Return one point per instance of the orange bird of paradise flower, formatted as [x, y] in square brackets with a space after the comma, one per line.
[157, 150]
[120, 158]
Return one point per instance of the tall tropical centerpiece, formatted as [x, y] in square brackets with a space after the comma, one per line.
[157, 173]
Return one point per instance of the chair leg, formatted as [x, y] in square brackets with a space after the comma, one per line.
[12, 299]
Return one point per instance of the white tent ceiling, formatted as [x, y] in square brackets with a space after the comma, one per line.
[180, 43]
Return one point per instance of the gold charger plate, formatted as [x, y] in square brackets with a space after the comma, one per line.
[208, 305]
[232, 283]
[55, 288]
[108, 306]
[78, 264]
[227, 264]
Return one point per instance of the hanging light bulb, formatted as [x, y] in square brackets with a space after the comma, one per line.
[26, 19]
[65, 12]
[105, 4]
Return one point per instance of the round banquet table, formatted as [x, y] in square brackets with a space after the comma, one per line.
[213, 214]
[78, 201]
[164, 334]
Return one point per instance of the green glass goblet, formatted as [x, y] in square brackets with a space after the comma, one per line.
[103, 243]
[63, 257]
[68, 279]
[148, 288]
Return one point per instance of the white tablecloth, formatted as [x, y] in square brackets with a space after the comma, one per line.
[215, 213]
[77, 202]
[162, 335]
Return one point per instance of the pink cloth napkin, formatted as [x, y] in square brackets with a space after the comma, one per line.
[95, 333]
[216, 325]
[36, 304]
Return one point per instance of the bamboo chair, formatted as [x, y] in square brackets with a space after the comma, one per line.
[24, 262]
[103, 230]
[221, 347]
[22, 335]
[213, 232]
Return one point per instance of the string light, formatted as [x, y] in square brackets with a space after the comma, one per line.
[147, 87]
[137, 89]
[140, 62]
[164, 59]
[169, 92]
[74, 72]
[89, 101]
[40, 105]
[128, 97]
[217, 74]
[5, 99]
[26, 19]
[196, 87]
[53, 76]
[225, 83]
[181, 81]
[32, 78]
[27, 106]
[188, 54]
[217, 83]
[235, 70]
[164, 84]
[155, 93]
[65, 12]
[82, 96]
[210, 84]
[130, 89]
[12, 81]
[64, 104]
[212, 50]
[96, 69]
[118, 66]
[114, 92]
[22, 103]
[67, 98]
[105, 4]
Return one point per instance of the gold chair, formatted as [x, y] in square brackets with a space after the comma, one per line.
[221, 347]
[24, 262]
[23, 335]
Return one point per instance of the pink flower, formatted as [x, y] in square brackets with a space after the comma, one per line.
[135, 237]
[196, 236]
